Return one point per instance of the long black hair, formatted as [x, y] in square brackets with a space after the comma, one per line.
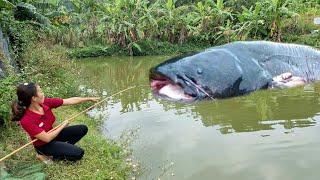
[25, 92]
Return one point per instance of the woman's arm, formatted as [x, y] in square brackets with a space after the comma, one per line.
[77, 100]
[49, 136]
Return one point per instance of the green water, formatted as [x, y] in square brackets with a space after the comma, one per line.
[272, 134]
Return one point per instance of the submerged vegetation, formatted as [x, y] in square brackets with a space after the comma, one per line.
[43, 35]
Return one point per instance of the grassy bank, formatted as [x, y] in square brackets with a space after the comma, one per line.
[103, 159]
[48, 65]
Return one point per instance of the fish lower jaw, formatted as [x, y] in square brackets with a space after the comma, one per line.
[165, 88]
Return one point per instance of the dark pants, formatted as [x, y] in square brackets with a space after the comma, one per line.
[62, 147]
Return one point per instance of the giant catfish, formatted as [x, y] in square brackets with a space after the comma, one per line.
[233, 69]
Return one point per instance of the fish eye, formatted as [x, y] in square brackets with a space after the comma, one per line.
[199, 71]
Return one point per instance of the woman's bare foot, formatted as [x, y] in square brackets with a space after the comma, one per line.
[45, 159]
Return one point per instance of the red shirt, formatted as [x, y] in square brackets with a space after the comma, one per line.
[34, 123]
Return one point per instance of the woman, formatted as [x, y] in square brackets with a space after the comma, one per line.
[33, 111]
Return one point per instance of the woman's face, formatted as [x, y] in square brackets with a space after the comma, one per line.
[39, 98]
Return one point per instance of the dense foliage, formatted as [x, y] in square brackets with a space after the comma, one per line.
[127, 24]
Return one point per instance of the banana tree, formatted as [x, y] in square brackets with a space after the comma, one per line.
[223, 13]
[277, 11]
[251, 23]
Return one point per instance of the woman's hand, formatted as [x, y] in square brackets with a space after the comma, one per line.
[49, 136]
[94, 99]
[65, 123]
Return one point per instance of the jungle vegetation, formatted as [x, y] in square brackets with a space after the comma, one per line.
[136, 27]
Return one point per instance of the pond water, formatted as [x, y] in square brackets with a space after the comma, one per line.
[270, 134]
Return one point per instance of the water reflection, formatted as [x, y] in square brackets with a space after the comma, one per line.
[115, 74]
[259, 111]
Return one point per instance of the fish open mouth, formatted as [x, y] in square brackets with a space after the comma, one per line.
[163, 87]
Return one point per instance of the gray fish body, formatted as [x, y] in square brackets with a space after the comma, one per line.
[277, 58]
[239, 68]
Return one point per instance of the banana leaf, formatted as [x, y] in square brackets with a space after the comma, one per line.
[24, 11]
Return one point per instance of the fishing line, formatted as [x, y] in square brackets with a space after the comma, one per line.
[198, 87]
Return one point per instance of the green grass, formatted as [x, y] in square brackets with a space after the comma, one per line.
[103, 159]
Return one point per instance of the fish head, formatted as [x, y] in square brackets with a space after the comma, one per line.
[198, 76]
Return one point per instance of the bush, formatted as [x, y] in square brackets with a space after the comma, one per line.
[308, 39]
[151, 47]
[7, 94]
[49, 66]
[96, 51]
